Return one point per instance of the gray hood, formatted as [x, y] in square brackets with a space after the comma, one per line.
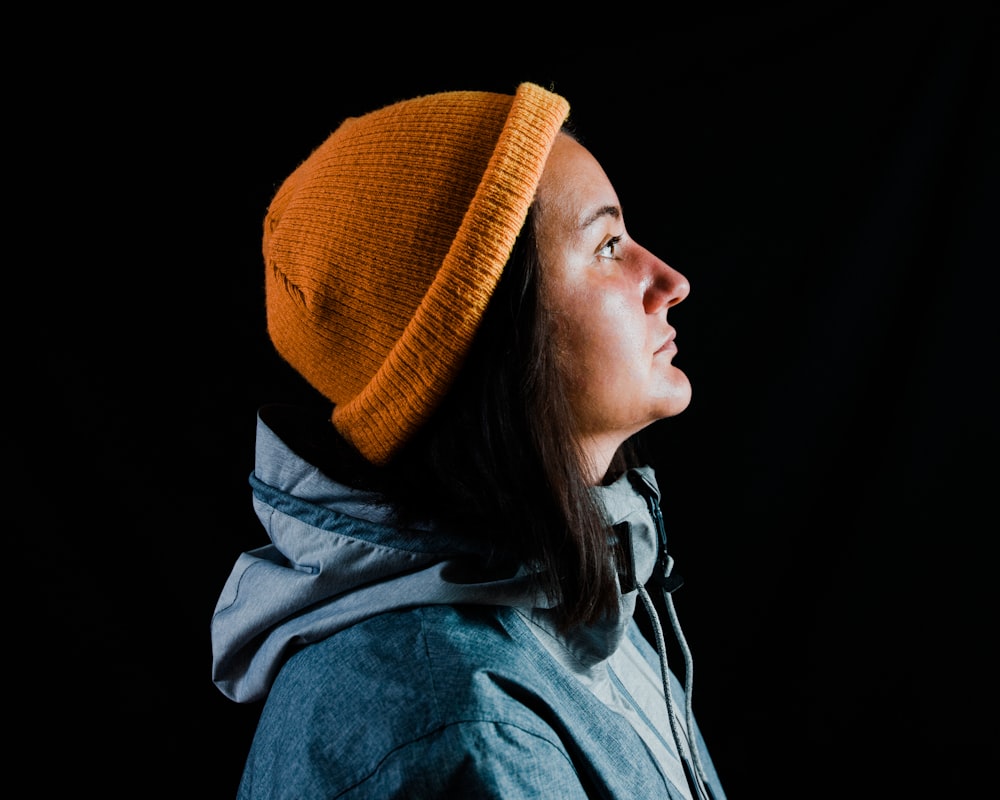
[335, 559]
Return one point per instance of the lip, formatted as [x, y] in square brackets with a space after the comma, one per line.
[668, 346]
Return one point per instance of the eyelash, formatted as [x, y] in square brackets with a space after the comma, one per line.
[613, 242]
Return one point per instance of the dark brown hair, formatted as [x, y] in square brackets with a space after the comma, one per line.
[500, 459]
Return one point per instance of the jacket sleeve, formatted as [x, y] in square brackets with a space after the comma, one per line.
[482, 759]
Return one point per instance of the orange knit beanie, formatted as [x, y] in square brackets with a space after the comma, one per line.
[383, 248]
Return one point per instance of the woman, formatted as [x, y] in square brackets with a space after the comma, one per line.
[460, 537]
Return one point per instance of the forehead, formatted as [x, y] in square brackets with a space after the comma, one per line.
[573, 188]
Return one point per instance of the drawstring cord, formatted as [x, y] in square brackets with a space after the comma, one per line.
[688, 676]
[685, 746]
[664, 576]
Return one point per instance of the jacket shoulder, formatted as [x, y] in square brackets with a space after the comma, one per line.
[451, 697]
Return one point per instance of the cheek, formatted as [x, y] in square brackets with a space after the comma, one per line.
[598, 341]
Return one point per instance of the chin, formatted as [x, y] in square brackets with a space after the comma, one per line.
[677, 396]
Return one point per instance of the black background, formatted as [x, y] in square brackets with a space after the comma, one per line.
[825, 176]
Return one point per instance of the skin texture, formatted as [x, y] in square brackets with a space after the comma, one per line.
[610, 297]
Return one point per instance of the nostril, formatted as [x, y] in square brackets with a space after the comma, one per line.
[666, 287]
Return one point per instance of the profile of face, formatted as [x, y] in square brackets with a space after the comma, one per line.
[609, 297]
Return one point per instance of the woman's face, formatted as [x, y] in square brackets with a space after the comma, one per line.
[609, 297]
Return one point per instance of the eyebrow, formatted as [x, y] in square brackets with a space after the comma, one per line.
[603, 211]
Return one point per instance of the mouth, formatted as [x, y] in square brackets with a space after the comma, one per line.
[668, 346]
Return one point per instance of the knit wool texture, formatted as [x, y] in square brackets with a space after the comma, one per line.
[383, 248]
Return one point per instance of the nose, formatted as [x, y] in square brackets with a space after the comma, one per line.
[665, 286]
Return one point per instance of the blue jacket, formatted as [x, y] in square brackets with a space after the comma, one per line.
[394, 666]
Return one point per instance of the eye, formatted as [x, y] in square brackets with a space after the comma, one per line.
[609, 249]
